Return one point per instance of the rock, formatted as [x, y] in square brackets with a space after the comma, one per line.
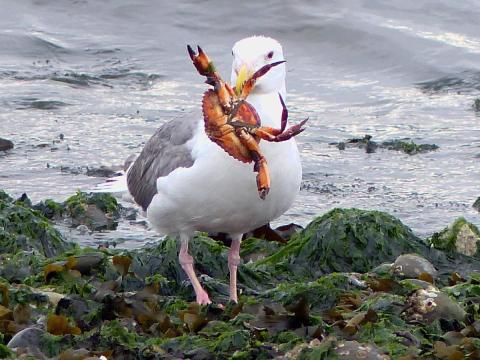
[476, 204]
[162, 259]
[461, 236]
[23, 228]
[406, 145]
[29, 337]
[412, 266]
[96, 218]
[87, 262]
[103, 171]
[419, 283]
[5, 144]
[427, 305]
[254, 249]
[97, 211]
[49, 208]
[476, 105]
[353, 350]
[344, 240]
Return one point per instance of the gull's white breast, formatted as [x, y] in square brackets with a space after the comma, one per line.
[219, 193]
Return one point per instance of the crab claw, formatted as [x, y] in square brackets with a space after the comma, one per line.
[291, 131]
[264, 69]
[191, 52]
[201, 61]
[247, 87]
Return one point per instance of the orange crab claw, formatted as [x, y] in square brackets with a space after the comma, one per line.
[250, 83]
[201, 61]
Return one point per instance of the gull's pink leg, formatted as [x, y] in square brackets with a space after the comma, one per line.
[233, 261]
[186, 261]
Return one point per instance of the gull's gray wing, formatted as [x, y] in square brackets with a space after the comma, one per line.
[164, 152]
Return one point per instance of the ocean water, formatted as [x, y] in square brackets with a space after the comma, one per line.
[83, 84]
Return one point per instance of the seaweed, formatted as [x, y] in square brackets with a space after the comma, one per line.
[353, 283]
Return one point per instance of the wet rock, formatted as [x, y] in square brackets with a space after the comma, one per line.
[427, 305]
[344, 240]
[254, 249]
[97, 211]
[353, 350]
[412, 266]
[103, 171]
[23, 228]
[419, 284]
[210, 259]
[49, 208]
[461, 236]
[476, 105]
[97, 219]
[321, 294]
[87, 262]
[29, 337]
[5, 144]
[476, 204]
[406, 145]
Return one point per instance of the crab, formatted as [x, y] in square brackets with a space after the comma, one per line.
[233, 123]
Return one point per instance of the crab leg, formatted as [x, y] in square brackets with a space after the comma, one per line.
[260, 163]
[205, 67]
[273, 134]
[250, 83]
[265, 133]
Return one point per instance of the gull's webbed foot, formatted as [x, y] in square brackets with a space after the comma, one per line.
[202, 297]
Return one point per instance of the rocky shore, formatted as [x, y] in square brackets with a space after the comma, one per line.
[354, 284]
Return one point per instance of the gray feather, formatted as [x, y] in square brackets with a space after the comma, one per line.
[164, 152]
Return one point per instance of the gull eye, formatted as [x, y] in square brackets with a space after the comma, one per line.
[233, 53]
[269, 56]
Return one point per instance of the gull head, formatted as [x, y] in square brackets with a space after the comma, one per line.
[250, 54]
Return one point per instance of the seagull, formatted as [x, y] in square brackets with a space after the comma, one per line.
[187, 183]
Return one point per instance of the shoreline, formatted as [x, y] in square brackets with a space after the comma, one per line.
[338, 284]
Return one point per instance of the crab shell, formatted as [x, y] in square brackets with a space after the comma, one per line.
[221, 132]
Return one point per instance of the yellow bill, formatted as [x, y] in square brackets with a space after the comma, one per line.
[244, 74]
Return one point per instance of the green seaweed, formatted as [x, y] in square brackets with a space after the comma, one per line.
[448, 238]
[113, 334]
[23, 228]
[107, 203]
[344, 240]
[5, 352]
[408, 147]
[321, 294]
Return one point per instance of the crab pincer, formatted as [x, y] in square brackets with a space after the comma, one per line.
[249, 84]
